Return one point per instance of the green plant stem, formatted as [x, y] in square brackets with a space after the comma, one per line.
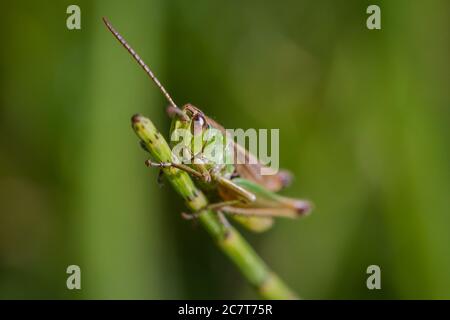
[228, 239]
[254, 269]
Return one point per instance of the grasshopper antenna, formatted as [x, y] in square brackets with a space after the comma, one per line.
[140, 61]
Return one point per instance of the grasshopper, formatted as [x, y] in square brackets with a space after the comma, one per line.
[238, 190]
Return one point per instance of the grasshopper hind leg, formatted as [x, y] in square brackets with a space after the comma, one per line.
[216, 207]
[229, 186]
[213, 207]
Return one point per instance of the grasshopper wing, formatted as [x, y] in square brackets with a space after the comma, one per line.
[252, 167]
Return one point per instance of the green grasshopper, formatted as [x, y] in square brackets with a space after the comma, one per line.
[238, 190]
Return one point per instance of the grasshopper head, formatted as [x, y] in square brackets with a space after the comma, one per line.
[198, 120]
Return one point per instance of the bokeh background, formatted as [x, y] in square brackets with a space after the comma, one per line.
[364, 126]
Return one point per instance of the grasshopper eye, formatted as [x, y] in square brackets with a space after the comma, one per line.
[199, 124]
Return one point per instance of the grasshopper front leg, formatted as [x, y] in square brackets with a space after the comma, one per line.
[180, 166]
[206, 176]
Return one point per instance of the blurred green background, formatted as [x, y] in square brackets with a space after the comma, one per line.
[364, 125]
